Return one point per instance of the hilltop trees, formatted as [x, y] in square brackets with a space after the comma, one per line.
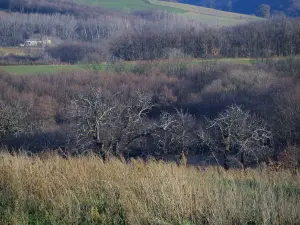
[264, 11]
[212, 3]
[229, 5]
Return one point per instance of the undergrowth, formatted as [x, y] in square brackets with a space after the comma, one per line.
[86, 190]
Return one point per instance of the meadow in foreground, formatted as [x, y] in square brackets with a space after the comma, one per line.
[86, 190]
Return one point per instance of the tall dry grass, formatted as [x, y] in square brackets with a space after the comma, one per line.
[85, 190]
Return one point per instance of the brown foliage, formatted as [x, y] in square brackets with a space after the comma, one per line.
[290, 157]
[202, 90]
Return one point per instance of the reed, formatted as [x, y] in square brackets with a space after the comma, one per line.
[85, 190]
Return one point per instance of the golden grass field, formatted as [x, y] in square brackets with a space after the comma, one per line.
[85, 190]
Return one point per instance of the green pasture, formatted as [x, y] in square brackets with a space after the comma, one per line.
[5, 51]
[205, 15]
[117, 67]
[130, 5]
[34, 69]
[208, 16]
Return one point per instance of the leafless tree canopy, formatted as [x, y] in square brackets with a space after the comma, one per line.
[239, 132]
[115, 123]
[110, 122]
[12, 119]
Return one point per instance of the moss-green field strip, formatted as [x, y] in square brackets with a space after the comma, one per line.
[130, 5]
[127, 66]
[4, 51]
[34, 69]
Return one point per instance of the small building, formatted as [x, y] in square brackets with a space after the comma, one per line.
[29, 43]
[36, 43]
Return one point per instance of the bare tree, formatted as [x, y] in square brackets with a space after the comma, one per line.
[111, 122]
[115, 124]
[239, 133]
[12, 119]
[176, 133]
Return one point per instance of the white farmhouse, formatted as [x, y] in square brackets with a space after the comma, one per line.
[36, 43]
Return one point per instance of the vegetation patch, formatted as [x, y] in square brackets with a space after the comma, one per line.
[4, 51]
[134, 67]
[86, 190]
[131, 5]
[38, 69]
[207, 15]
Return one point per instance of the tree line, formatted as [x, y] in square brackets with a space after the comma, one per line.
[276, 37]
[152, 36]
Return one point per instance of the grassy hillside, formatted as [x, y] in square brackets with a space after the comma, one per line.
[208, 16]
[289, 7]
[85, 190]
[130, 5]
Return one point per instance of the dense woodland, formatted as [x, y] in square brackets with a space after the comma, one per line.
[244, 113]
[149, 36]
[162, 105]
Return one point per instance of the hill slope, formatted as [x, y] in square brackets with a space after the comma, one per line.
[289, 7]
[85, 8]
[206, 15]
[128, 5]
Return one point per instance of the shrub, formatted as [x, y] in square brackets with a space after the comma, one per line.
[77, 52]
[290, 157]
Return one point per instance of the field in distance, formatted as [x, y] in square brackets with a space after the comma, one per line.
[118, 67]
[206, 15]
[5, 51]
